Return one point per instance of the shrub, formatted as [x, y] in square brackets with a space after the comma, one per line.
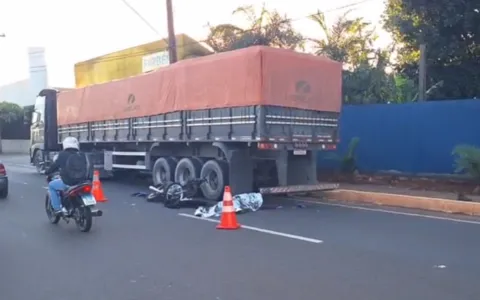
[467, 161]
[348, 162]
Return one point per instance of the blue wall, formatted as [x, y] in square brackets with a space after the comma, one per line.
[412, 137]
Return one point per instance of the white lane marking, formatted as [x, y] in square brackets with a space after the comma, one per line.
[440, 266]
[277, 233]
[393, 212]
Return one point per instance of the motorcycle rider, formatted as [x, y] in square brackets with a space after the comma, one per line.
[71, 147]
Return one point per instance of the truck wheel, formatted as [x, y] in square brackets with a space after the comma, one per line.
[216, 174]
[162, 171]
[186, 170]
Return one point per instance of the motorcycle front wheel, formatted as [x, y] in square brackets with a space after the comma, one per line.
[83, 219]
[52, 217]
[173, 195]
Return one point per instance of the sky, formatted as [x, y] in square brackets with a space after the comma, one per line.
[74, 30]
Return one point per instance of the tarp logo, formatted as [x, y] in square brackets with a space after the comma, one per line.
[131, 99]
[131, 106]
[302, 91]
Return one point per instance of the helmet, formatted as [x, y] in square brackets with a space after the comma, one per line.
[70, 143]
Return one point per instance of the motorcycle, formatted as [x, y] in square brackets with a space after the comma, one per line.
[79, 204]
[172, 193]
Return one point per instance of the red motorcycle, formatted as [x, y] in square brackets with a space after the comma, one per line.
[79, 204]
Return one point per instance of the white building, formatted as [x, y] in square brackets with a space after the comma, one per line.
[23, 92]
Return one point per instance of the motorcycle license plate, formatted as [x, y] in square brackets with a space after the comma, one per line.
[88, 200]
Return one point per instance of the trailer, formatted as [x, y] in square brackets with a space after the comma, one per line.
[253, 119]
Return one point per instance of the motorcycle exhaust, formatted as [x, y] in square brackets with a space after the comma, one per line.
[97, 213]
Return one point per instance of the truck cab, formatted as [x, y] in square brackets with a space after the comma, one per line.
[43, 129]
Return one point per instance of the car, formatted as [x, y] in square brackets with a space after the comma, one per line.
[3, 181]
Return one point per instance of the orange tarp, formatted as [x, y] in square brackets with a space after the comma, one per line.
[252, 76]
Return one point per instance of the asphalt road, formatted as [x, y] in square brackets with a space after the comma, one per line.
[140, 250]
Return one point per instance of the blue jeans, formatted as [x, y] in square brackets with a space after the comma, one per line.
[53, 188]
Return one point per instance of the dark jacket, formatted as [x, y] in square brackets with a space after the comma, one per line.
[60, 164]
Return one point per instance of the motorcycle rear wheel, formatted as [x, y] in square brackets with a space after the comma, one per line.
[84, 219]
[54, 219]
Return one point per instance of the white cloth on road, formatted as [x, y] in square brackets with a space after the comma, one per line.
[241, 203]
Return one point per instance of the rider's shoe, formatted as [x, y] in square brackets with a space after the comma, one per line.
[61, 212]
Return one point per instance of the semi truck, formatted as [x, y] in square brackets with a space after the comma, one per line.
[253, 119]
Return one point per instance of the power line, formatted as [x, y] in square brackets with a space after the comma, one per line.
[141, 53]
[140, 16]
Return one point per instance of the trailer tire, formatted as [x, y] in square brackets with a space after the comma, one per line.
[163, 170]
[192, 166]
[216, 174]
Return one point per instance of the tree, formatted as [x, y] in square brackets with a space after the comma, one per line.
[268, 28]
[27, 114]
[369, 83]
[450, 29]
[349, 41]
[8, 112]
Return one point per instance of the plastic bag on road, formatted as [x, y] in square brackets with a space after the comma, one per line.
[242, 203]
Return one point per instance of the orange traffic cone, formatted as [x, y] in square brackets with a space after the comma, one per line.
[97, 190]
[228, 219]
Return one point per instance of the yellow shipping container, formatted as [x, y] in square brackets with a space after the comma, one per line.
[133, 61]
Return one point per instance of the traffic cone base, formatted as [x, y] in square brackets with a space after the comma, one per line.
[97, 190]
[228, 219]
[234, 227]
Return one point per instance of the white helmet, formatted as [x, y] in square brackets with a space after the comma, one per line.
[70, 143]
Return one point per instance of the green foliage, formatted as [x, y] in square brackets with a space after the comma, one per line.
[348, 161]
[268, 28]
[405, 88]
[368, 84]
[365, 79]
[27, 114]
[450, 30]
[9, 112]
[349, 41]
[467, 161]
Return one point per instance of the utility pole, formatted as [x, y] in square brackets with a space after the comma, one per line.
[172, 43]
[422, 65]
[422, 73]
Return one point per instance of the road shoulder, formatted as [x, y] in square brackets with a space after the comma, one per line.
[439, 202]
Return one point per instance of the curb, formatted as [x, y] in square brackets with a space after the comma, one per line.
[406, 201]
